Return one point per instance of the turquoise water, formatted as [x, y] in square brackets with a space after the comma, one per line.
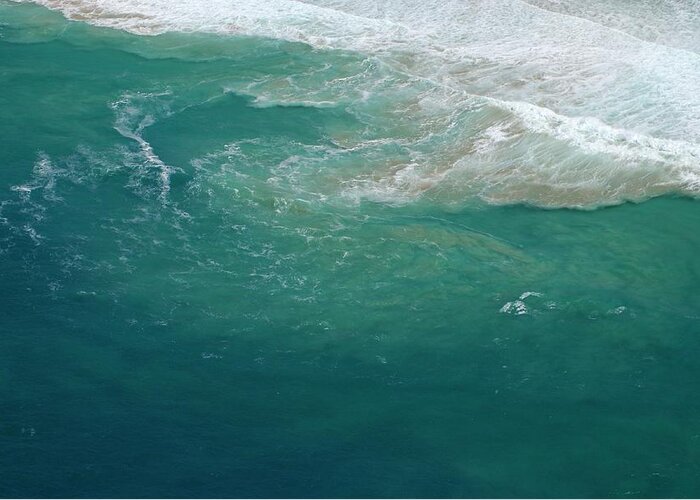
[243, 266]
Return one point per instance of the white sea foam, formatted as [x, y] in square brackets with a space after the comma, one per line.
[507, 49]
[131, 121]
[668, 22]
[519, 307]
[619, 87]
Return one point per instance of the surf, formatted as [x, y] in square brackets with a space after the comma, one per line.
[617, 109]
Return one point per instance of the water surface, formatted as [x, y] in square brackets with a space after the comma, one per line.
[324, 261]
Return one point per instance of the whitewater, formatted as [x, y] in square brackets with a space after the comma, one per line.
[577, 105]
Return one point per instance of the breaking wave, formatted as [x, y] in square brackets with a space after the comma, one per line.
[556, 104]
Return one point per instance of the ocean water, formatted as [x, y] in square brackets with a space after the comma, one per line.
[349, 248]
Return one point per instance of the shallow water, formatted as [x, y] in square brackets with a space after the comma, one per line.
[243, 263]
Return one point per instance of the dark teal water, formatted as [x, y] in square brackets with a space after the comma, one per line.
[195, 303]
